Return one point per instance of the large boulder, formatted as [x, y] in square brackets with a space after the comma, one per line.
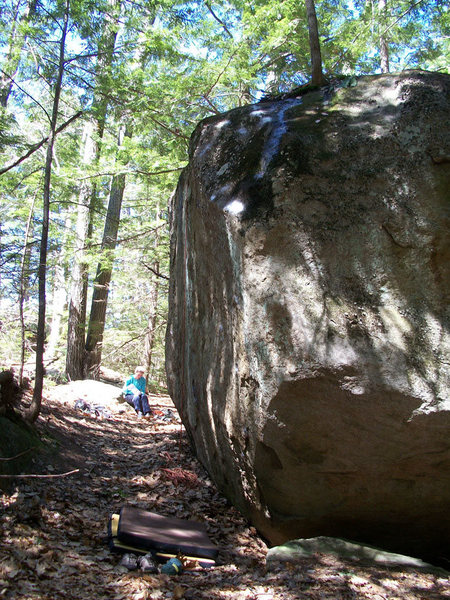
[307, 342]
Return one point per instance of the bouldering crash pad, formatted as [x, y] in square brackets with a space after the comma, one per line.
[141, 531]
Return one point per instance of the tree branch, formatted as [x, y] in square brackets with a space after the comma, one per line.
[149, 173]
[33, 476]
[35, 147]
[219, 76]
[131, 172]
[25, 92]
[211, 105]
[401, 17]
[17, 455]
[175, 132]
[155, 272]
[218, 19]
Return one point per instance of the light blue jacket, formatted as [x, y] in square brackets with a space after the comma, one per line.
[132, 381]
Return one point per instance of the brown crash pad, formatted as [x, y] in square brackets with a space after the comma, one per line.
[139, 530]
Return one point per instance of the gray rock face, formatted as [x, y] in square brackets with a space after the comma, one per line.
[307, 343]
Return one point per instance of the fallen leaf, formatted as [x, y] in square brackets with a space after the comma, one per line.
[41, 568]
[178, 592]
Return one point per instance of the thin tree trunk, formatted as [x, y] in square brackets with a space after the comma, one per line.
[23, 291]
[35, 406]
[1, 290]
[384, 48]
[314, 44]
[59, 298]
[16, 42]
[149, 340]
[94, 339]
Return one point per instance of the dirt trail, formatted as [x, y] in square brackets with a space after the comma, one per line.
[53, 531]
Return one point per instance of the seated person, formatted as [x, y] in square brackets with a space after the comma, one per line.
[134, 393]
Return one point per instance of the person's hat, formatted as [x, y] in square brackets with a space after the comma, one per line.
[139, 370]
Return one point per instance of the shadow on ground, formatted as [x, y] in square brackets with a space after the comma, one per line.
[54, 530]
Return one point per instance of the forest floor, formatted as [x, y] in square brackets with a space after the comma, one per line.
[53, 530]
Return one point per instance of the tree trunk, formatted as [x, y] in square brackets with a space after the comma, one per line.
[35, 406]
[1, 287]
[59, 297]
[9, 393]
[76, 327]
[88, 200]
[102, 280]
[384, 48]
[151, 323]
[153, 294]
[314, 44]
[16, 42]
[24, 287]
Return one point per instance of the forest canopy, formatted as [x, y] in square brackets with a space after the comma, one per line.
[98, 99]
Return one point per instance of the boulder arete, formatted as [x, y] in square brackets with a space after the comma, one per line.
[307, 342]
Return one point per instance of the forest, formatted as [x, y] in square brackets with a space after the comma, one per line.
[98, 101]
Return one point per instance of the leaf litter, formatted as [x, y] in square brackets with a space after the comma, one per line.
[53, 532]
